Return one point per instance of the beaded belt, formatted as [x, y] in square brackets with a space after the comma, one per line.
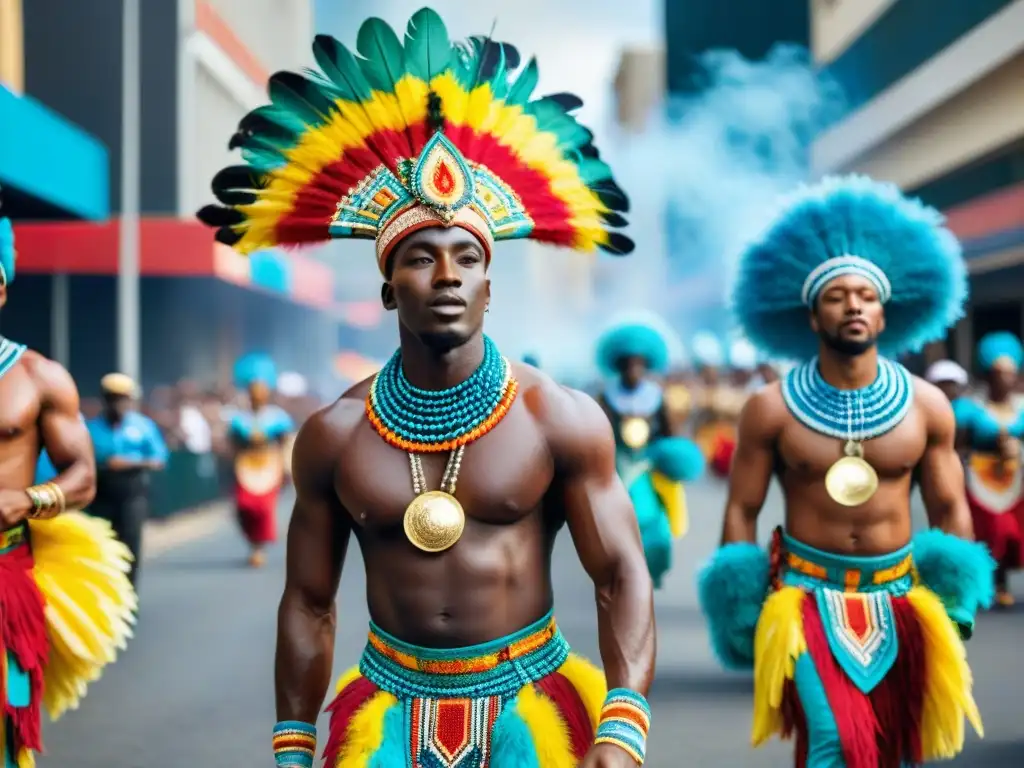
[13, 538]
[498, 668]
[847, 572]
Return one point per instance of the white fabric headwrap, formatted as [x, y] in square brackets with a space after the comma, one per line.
[829, 270]
[946, 370]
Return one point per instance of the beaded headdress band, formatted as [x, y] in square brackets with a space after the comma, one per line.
[398, 137]
[839, 266]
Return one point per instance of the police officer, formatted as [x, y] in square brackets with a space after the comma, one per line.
[128, 447]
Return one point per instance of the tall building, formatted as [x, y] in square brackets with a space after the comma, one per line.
[200, 65]
[935, 103]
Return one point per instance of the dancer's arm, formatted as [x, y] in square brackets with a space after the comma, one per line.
[942, 474]
[603, 526]
[63, 433]
[318, 537]
[755, 449]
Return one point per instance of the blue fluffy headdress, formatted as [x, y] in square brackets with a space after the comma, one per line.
[255, 367]
[850, 225]
[636, 338]
[996, 345]
[6, 252]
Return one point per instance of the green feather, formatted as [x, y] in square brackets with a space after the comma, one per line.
[264, 160]
[594, 171]
[428, 52]
[341, 68]
[523, 87]
[383, 60]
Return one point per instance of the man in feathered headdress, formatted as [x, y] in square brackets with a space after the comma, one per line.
[653, 465]
[451, 483]
[62, 573]
[990, 430]
[860, 632]
[259, 434]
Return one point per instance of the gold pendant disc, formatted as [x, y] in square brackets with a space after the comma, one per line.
[851, 481]
[635, 432]
[434, 521]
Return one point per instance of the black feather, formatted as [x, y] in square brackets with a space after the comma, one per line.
[236, 177]
[292, 92]
[613, 219]
[219, 216]
[567, 101]
[435, 114]
[227, 236]
[618, 244]
[611, 194]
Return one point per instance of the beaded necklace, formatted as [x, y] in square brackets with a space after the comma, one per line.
[10, 353]
[850, 414]
[421, 421]
[853, 415]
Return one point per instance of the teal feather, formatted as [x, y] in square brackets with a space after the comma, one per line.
[341, 68]
[522, 89]
[428, 51]
[593, 171]
[293, 93]
[383, 59]
[263, 159]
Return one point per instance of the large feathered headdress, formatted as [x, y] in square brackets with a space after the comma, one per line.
[850, 225]
[7, 252]
[398, 137]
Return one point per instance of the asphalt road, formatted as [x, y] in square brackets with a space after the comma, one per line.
[195, 687]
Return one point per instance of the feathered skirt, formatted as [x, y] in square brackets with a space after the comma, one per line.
[66, 608]
[996, 499]
[523, 701]
[863, 664]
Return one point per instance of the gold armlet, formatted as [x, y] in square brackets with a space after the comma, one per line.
[48, 501]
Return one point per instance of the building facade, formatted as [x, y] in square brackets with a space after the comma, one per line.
[200, 66]
[935, 103]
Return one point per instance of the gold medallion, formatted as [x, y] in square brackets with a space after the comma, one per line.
[434, 521]
[851, 481]
[635, 432]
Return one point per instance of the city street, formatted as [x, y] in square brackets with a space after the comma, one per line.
[195, 687]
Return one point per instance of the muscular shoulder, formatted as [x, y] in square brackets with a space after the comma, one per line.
[54, 383]
[930, 401]
[322, 438]
[764, 414]
[574, 425]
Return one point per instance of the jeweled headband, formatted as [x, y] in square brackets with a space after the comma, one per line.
[415, 133]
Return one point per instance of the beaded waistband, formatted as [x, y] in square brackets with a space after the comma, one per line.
[497, 668]
[13, 538]
[847, 571]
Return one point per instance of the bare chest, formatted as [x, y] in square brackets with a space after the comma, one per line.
[894, 454]
[503, 476]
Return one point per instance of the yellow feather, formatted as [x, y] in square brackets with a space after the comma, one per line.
[673, 498]
[347, 679]
[365, 732]
[778, 643]
[549, 731]
[81, 569]
[947, 696]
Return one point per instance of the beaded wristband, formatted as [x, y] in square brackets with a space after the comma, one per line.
[625, 721]
[294, 744]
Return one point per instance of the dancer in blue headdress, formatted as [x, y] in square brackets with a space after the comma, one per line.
[258, 434]
[851, 626]
[991, 428]
[653, 464]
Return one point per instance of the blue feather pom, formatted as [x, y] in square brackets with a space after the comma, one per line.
[677, 458]
[851, 215]
[7, 253]
[633, 339]
[996, 345]
[731, 589]
[960, 572]
[254, 367]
